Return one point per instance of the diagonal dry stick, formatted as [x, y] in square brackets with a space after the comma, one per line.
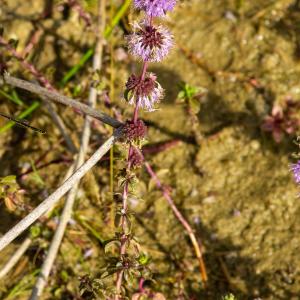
[15, 257]
[68, 208]
[61, 191]
[13, 260]
[56, 97]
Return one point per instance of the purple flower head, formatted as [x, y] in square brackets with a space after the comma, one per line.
[134, 130]
[296, 170]
[150, 43]
[155, 8]
[143, 92]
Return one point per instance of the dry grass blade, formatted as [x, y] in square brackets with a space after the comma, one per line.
[15, 257]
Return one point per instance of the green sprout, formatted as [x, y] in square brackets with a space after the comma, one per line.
[190, 96]
[229, 297]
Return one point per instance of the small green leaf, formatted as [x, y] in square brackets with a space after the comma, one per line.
[143, 259]
[8, 179]
[35, 231]
[129, 276]
[127, 95]
[229, 297]
[36, 176]
[118, 218]
[64, 275]
[181, 94]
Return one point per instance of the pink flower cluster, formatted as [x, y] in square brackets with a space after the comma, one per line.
[149, 43]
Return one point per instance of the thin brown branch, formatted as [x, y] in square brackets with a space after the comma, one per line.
[181, 219]
[56, 97]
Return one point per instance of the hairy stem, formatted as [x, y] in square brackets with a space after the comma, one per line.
[123, 225]
[125, 195]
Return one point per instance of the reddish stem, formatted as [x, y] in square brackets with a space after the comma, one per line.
[181, 219]
[136, 113]
[136, 109]
[32, 42]
[141, 285]
[125, 190]
[31, 68]
[144, 70]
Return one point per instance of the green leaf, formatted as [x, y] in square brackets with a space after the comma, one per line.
[127, 95]
[87, 226]
[17, 98]
[14, 97]
[129, 276]
[143, 259]
[36, 176]
[64, 275]
[35, 231]
[118, 218]
[229, 297]
[181, 95]
[77, 90]
[8, 179]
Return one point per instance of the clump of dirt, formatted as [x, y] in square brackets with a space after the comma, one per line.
[236, 187]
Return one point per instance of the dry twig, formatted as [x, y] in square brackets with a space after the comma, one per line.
[15, 257]
[68, 208]
[61, 191]
[56, 97]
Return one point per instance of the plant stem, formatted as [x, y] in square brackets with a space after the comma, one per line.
[125, 193]
[123, 225]
[181, 219]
